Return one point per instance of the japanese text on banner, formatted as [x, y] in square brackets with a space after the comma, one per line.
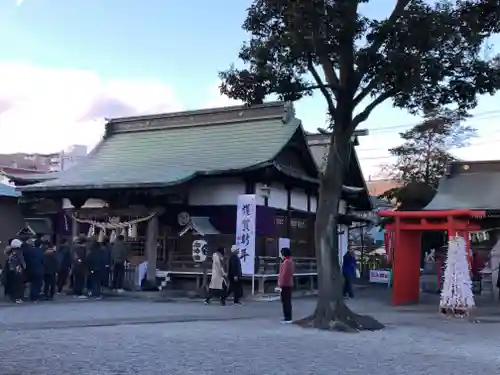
[245, 232]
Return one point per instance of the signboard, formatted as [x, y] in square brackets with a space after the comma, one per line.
[245, 232]
[343, 242]
[380, 276]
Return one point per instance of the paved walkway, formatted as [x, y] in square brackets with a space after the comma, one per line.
[487, 308]
[123, 337]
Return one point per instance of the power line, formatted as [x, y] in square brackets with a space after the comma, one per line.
[472, 144]
[475, 144]
[456, 149]
[359, 149]
[479, 116]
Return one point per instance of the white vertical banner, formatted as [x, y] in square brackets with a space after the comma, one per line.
[343, 242]
[246, 217]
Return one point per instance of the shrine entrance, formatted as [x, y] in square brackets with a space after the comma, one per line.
[406, 234]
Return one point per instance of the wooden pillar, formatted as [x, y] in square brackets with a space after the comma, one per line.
[406, 265]
[151, 248]
[289, 212]
[75, 231]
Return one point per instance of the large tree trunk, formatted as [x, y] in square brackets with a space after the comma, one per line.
[331, 311]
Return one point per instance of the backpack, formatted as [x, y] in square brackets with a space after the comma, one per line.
[14, 263]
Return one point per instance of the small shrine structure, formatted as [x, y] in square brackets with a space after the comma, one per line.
[466, 204]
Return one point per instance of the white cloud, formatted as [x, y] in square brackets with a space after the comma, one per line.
[19, 2]
[216, 99]
[45, 110]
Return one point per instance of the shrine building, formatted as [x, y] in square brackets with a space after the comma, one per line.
[166, 180]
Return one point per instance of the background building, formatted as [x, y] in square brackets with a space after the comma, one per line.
[43, 162]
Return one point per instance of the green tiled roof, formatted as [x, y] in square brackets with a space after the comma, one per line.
[31, 177]
[169, 149]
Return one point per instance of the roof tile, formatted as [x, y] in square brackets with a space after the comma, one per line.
[168, 156]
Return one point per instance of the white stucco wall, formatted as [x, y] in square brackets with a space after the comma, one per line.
[216, 192]
[225, 191]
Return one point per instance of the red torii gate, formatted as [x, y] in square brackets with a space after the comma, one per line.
[407, 229]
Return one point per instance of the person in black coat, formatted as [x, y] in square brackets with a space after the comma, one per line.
[50, 265]
[64, 255]
[95, 267]
[498, 282]
[79, 265]
[33, 257]
[234, 275]
[106, 262]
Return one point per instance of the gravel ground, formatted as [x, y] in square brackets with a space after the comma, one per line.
[189, 338]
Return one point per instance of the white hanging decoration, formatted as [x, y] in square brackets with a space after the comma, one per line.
[132, 231]
[101, 236]
[115, 226]
[113, 236]
[114, 223]
[456, 296]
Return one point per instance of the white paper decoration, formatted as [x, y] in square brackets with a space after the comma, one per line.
[456, 295]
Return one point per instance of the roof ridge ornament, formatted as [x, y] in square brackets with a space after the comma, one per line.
[203, 117]
[288, 112]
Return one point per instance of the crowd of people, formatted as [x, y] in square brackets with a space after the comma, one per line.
[89, 265]
[86, 265]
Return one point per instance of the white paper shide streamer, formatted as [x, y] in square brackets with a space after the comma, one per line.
[456, 295]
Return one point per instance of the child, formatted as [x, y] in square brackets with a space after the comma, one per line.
[285, 284]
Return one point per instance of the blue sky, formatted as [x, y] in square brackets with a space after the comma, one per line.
[183, 43]
[69, 62]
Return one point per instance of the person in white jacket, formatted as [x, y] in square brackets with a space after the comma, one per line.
[218, 282]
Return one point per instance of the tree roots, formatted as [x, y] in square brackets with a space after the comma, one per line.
[336, 316]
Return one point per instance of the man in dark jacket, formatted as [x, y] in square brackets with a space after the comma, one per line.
[106, 262]
[79, 260]
[119, 254]
[94, 263]
[64, 255]
[349, 272]
[33, 256]
[50, 264]
[234, 275]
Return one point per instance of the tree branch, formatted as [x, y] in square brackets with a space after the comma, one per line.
[321, 85]
[378, 39]
[326, 63]
[329, 71]
[346, 44]
[363, 116]
[364, 92]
